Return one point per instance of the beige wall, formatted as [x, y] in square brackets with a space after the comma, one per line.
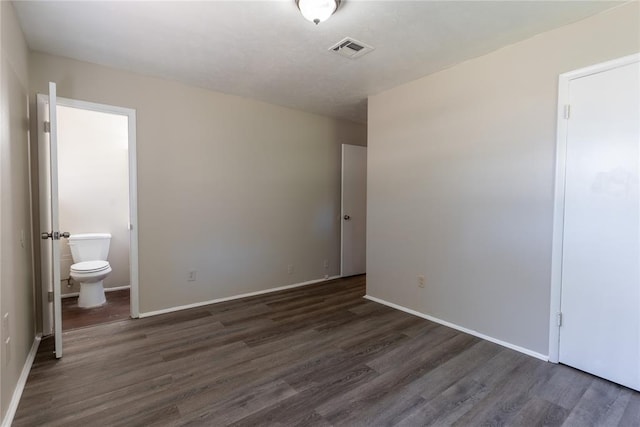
[16, 272]
[93, 179]
[233, 188]
[460, 184]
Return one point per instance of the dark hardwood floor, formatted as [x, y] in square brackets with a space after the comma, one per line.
[314, 356]
[116, 308]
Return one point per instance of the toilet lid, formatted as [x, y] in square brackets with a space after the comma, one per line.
[90, 266]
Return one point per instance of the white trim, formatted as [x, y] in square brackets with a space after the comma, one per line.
[559, 196]
[558, 220]
[94, 106]
[460, 328]
[114, 288]
[602, 67]
[234, 297]
[133, 187]
[22, 381]
[70, 295]
[134, 299]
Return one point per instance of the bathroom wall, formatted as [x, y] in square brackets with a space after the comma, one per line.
[461, 174]
[16, 269]
[94, 185]
[232, 188]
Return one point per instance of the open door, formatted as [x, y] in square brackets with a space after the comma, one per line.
[50, 247]
[354, 210]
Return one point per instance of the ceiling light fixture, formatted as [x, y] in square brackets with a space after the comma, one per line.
[317, 11]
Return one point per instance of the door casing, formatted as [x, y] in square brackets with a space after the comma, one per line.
[42, 99]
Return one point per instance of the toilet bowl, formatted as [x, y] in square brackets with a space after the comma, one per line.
[90, 275]
[90, 268]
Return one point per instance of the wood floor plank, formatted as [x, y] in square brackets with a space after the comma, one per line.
[480, 378]
[238, 405]
[345, 408]
[631, 413]
[594, 406]
[509, 396]
[309, 374]
[447, 407]
[565, 387]
[69, 411]
[319, 355]
[444, 376]
[613, 415]
[296, 409]
[540, 412]
[115, 308]
[444, 381]
[414, 349]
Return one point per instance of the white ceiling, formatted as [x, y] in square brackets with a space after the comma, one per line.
[265, 50]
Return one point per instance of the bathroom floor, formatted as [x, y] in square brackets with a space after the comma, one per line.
[116, 308]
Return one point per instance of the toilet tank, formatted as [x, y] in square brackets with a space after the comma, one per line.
[89, 246]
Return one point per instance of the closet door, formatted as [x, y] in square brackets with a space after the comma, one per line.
[600, 300]
[354, 210]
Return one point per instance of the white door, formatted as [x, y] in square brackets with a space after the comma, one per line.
[48, 169]
[46, 248]
[600, 297]
[354, 210]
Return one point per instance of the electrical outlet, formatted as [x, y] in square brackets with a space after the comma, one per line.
[421, 281]
[326, 264]
[192, 276]
[22, 238]
[290, 269]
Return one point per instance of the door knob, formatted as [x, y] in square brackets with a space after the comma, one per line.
[347, 217]
[56, 235]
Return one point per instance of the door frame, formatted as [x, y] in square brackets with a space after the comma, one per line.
[130, 113]
[559, 197]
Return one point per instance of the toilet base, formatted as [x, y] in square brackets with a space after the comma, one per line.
[91, 295]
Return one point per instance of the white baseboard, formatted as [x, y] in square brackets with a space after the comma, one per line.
[70, 295]
[115, 288]
[461, 329]
[22, 381]
[250, 294]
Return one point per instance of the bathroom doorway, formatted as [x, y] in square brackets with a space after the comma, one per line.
[96, 176]
[93, 197]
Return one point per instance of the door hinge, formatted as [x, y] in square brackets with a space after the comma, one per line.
[559, 319]
[47, 127]
[567, 111]
[50, 296]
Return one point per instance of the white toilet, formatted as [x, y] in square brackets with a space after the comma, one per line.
[89, 252]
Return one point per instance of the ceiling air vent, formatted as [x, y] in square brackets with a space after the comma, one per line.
[351, 48]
